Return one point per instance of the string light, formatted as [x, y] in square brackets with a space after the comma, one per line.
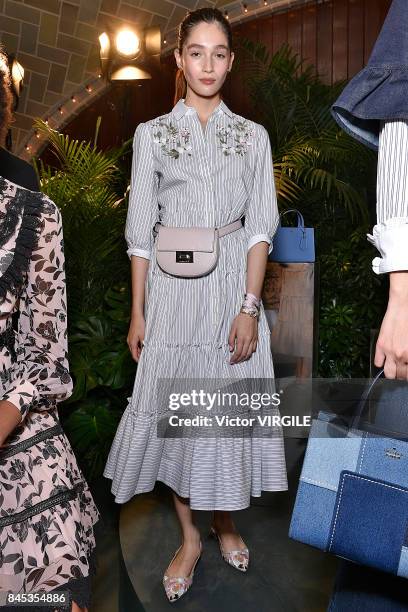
[265, 2]
[226, 15]
[245, 8]
[61, 111]
[164, 41]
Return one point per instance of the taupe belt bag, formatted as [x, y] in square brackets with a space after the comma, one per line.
[190, 252]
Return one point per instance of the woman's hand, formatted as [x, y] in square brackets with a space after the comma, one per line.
[392, 344]
[243, 336]
[135, 336]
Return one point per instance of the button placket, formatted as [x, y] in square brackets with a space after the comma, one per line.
[209, 152]
[206, 171]
[206, 160]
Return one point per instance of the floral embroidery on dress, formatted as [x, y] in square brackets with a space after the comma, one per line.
[173, 141]
[236, 137]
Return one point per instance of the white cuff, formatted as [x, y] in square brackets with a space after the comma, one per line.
[138, 252]
[391, 239]
[260, 238]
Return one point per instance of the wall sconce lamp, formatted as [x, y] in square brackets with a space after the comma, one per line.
[16, 76]
[14, 70]
[128, 54]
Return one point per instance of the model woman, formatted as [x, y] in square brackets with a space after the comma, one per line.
[46, 509]
[200, 165]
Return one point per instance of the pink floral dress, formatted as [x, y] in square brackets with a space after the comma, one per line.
[47, 512]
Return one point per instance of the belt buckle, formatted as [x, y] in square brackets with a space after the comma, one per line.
[184, 256]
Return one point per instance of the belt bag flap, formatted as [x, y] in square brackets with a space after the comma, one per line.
[187, 239]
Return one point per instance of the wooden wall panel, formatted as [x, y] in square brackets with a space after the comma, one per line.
[340, 40]
[325, 42]
[295, 30]
[309, 34]
[279, 30]
[372, 25]
[236, 89]
[265, 33]
[356, 36]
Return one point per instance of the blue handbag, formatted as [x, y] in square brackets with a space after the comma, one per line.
[352, 498]
[293, 244]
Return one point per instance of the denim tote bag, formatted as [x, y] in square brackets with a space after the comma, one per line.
[379, 92]
[352, 498]
[293, 244]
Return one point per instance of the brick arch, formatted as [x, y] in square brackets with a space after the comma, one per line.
[61, 114]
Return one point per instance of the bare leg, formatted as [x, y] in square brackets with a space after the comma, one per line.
[184, 561]
[224, 525]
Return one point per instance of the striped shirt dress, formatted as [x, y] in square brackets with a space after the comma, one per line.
[186, 176]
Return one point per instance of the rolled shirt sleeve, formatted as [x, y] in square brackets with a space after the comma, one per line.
[40, 376]
[261, 215]
[143, 206]
[390, 234]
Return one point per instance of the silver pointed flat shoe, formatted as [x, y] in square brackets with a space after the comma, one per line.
[177, 586]
[239, 559]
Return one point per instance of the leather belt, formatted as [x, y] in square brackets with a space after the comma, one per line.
[222, 231]
[231, 227]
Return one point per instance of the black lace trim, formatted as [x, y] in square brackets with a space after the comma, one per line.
[80, 588]
[11, 450]
[9, 219]
[66, 495]
[32, 205]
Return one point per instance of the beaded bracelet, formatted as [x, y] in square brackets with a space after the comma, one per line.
[251, 305]
[251, 300]
[252, 312]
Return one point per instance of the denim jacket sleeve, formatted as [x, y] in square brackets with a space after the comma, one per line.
[379, 92]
